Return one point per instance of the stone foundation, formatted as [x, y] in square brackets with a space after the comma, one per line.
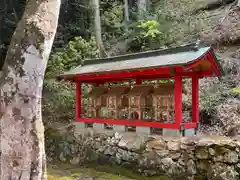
[139, 129]
[209, 157]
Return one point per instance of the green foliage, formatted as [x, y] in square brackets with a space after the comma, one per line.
[60, 96]
[150, 29]
[169, 23]
[209, 102]
[144, 35]
[236, 90]
[71, 56]
[75, 175]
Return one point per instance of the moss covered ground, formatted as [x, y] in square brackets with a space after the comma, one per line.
[96, 172]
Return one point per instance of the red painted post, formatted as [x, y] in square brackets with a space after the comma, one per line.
[178, 100]
[78, 100]
[138, 81]
[195, 99]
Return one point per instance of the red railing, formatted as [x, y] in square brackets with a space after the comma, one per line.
[137, 123]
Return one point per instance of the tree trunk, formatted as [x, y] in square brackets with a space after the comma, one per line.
[126, 11]
[22, 131]
[142, 8]
[98, 29]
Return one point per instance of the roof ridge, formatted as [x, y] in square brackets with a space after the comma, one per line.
[178, 49]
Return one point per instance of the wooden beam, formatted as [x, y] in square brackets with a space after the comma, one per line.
[189, 125]
[214, 64]
[124, 74]
[142, 123]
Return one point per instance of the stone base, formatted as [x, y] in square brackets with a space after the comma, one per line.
[143, 130]
[189, 132]
[171, 132]
[119, 128]
[79, 126]
[97, 126]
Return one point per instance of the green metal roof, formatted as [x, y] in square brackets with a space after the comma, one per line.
[182, 55]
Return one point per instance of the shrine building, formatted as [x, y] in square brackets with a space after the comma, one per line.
[144, 90]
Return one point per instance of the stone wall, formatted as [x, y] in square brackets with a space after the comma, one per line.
[209, 157]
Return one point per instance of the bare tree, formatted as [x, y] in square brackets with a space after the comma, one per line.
[126, 10]
[22, 131]
[98, 29]
[142, 8]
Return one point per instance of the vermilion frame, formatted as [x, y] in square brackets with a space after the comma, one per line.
[152, 74]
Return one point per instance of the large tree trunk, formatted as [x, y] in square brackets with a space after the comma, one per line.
[22, 131]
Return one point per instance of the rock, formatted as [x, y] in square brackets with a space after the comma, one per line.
[190, 141]
[234, 131]
[203, 165]
[205, 142]
[162, 153]
[174, 155]
[218, 157]
[75, 160]
[101, 149]
[231, 157]
[123, 155]
[167, 162]
[49, 159]
[62, 158]
[191, 167]
[221, 171]
[133, 142]
[187, 147]
[66, 149]
[118, 136]
[171, 168]
[238, 167]
[158, 144]
[202, 153]
[109, 151]
[173, 146]
[97, 145]
[149, 161]
[211, 151]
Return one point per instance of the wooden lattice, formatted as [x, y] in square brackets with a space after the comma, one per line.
[163, 102]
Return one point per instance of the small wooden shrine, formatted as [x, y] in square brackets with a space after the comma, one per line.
[140, 102]
[96, 101]
[117, 101]
[162, 102]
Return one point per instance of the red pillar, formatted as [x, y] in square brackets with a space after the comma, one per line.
[195, 99]
[78, 100]
[138, 81]
[178, 100]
